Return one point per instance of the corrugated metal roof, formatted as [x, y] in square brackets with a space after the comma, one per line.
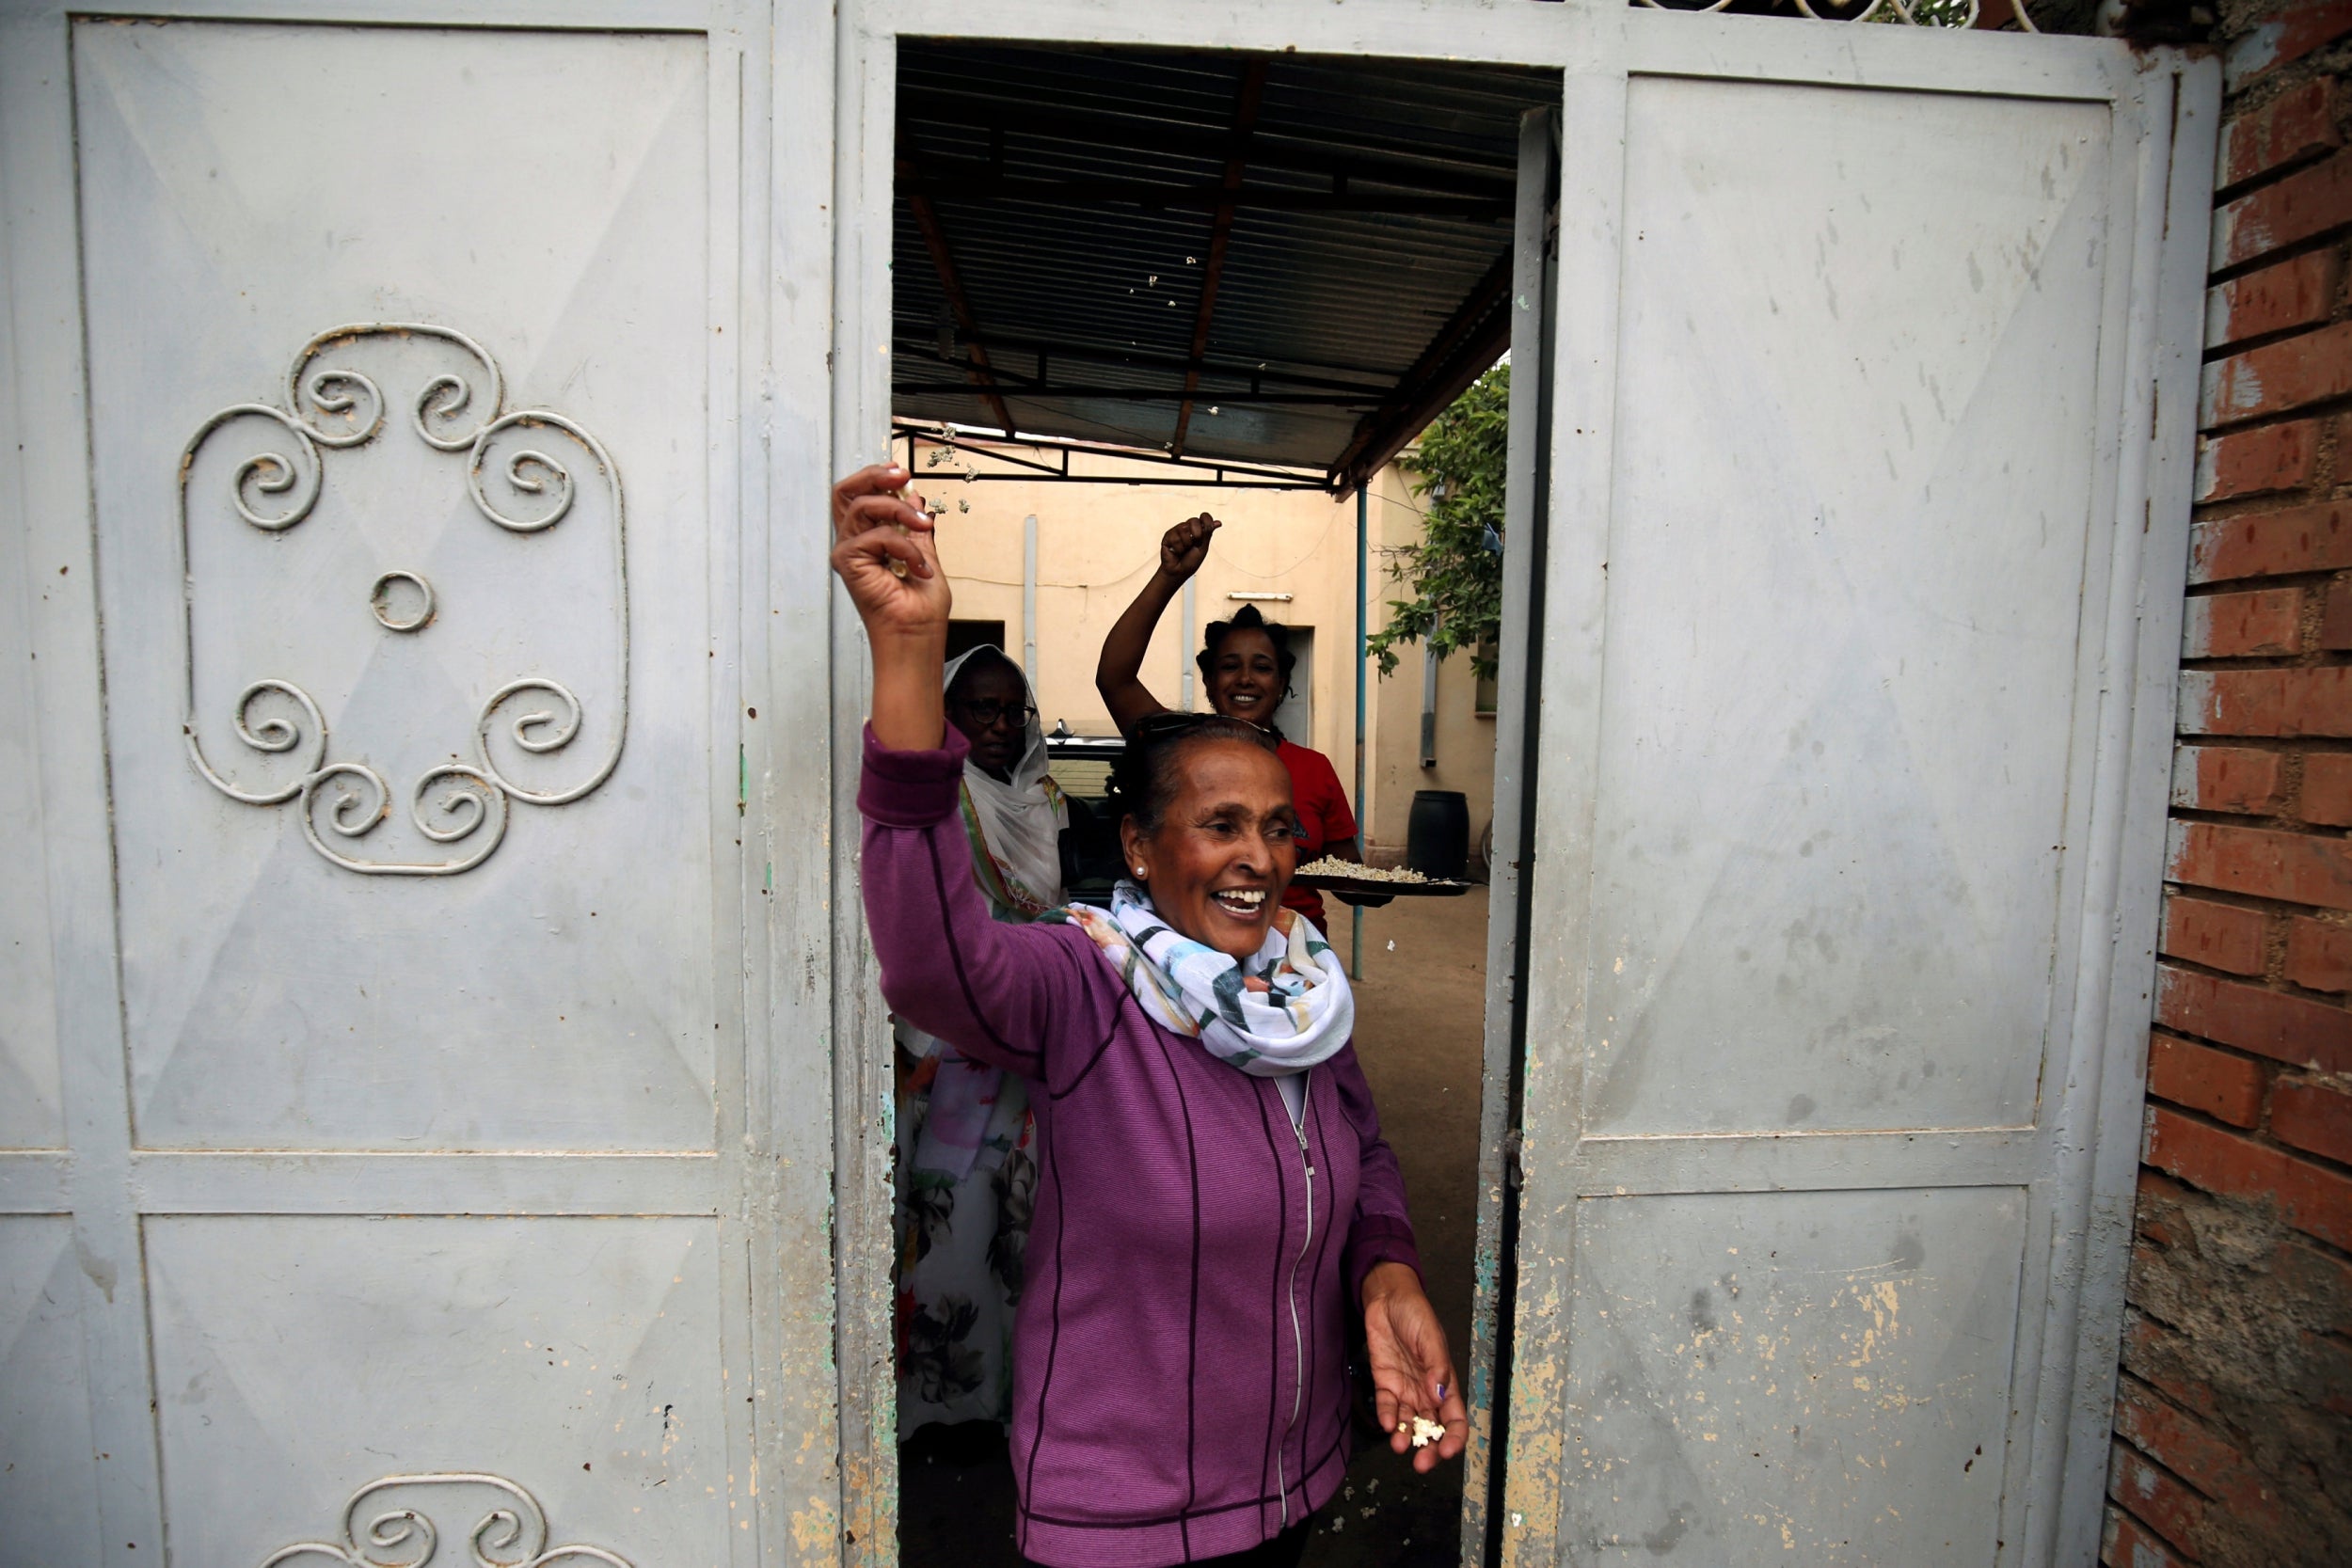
[1075, 195]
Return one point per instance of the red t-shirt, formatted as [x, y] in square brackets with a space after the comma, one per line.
[1324, 820]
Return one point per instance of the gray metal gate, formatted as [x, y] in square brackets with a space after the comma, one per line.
[438, 1053]
[419, 1089]
[1866, 518]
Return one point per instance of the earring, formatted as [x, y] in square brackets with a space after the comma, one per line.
[1139, 871]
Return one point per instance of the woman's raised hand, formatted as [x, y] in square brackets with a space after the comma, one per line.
[886, 557]
[884, 549]
[1183, 547]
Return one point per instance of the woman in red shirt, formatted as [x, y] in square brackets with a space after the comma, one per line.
[1245, 664]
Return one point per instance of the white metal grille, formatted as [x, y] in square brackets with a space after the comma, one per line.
[1921, 13]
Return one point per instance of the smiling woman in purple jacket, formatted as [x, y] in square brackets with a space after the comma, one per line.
[1215, 1197]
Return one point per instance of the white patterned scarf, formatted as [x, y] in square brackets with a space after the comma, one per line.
[1284, 1011]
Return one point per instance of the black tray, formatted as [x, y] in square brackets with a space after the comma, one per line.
[1434, 888]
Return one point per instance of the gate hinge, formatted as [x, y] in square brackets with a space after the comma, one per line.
[1514, 1176]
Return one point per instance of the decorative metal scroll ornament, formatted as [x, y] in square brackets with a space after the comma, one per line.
[1918, 13]
[330, 409]
[511, 1533]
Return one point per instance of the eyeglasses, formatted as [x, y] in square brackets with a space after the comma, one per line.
[988, 710]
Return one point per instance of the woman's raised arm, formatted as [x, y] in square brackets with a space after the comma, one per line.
[1119, 674]
[990, 989]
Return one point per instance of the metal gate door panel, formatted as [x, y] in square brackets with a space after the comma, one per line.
[1846, 821]
[558, 994]
[48, 1486]
[1854, 467]
[296, 1355]
[441, 1163]
[1767, 1378]
[32, 1112]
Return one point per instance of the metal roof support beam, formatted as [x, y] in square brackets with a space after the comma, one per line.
[1469, 342]
[978, 181]
[1185, 394]
[1260, 378]
[1220, 236]
[989, 445]
[1382, 160]
[981, 373]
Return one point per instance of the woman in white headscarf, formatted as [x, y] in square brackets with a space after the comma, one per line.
[968, 1176]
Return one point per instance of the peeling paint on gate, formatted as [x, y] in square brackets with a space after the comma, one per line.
[1533, 1488]
[1790, 1371]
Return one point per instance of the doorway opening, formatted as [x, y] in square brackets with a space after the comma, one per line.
[1130, 287]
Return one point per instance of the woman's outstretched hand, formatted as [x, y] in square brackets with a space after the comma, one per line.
[886, 557]
[874, 525]
[1183, 547]
[1412, 1372]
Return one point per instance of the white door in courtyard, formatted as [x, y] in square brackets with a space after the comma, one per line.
[408, 1144]
[1869, 450]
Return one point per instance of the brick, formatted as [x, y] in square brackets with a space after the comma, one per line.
[2228, 1088]
[2319, 956]
[2328, 1365]
[2276, 378]
[2311, 1115]
[2328, 789]
[2335, 617]
[2301, 206]
[2293, 1029]
[2300, 868]
[2309, 1198]
[2154, 1191]
[2287, 130]
[2282, 702]
[2185, 1446]
[2257, 462]
[2129, 1543]
[2321, 1284]
[2273, 543]
[2153, 1498]
[2261, 623]
[2277, 298]
[2292, 34]
[2219, 935]
[2228, 777]
[2153, 1354]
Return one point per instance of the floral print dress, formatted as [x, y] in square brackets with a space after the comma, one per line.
[961, 1241]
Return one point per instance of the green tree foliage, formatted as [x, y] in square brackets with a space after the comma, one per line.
[1456, 572]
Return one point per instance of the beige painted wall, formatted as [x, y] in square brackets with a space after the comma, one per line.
[1466, 740]
[1097, 544]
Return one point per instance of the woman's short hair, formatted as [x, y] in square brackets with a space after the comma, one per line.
[1248, 620]
[1150, 774]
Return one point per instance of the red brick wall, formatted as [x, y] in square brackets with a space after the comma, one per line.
[2234, 1413]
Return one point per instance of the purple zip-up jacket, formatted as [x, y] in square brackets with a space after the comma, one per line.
[1179, 1381]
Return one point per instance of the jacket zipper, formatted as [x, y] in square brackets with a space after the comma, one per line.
[1298, 1339]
